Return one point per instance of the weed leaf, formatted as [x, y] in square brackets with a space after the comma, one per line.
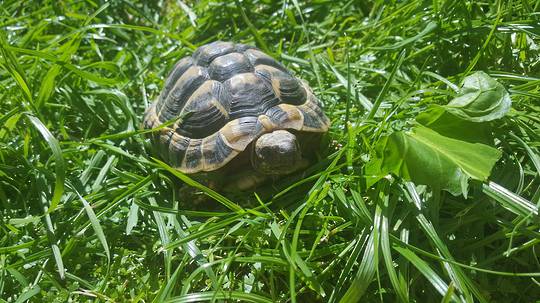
[481, 98]
[426, 157]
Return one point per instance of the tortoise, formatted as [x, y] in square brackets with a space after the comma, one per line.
[230, 109]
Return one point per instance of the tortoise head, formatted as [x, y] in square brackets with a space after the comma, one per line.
[276, 153]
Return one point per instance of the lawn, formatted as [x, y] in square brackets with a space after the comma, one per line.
[427, 184]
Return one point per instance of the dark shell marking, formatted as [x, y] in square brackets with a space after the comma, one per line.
[206, 53]
[287, 88]
[206, 111]
[249, 96]
[221, 99]
[170, 106]
[226, 66]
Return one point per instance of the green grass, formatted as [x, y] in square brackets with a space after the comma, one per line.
[87, 214]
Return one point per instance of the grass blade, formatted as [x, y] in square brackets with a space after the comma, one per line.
[58, 158]
[209, 192]
[510, 200]
[426, 271]
[96, 226]
[386, 86]
[221, 295]
[400, 288]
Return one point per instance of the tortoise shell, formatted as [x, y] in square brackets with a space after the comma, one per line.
[221, 99]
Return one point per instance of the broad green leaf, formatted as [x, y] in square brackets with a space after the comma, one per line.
[450, 125]
[426, 157]
[481, 98]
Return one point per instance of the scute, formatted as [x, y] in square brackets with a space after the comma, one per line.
[177, 149]
[163, 138]
[249, 95]
[206, 111]
[205, 54]
[256, 57]
[239, 47]
[226, 66]
[286, 87]
[286, 116]
[240, 132]
[216, 151]
[193, 157]
[222, 98]
[190, 80]
[314, 119]
[179, 69]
